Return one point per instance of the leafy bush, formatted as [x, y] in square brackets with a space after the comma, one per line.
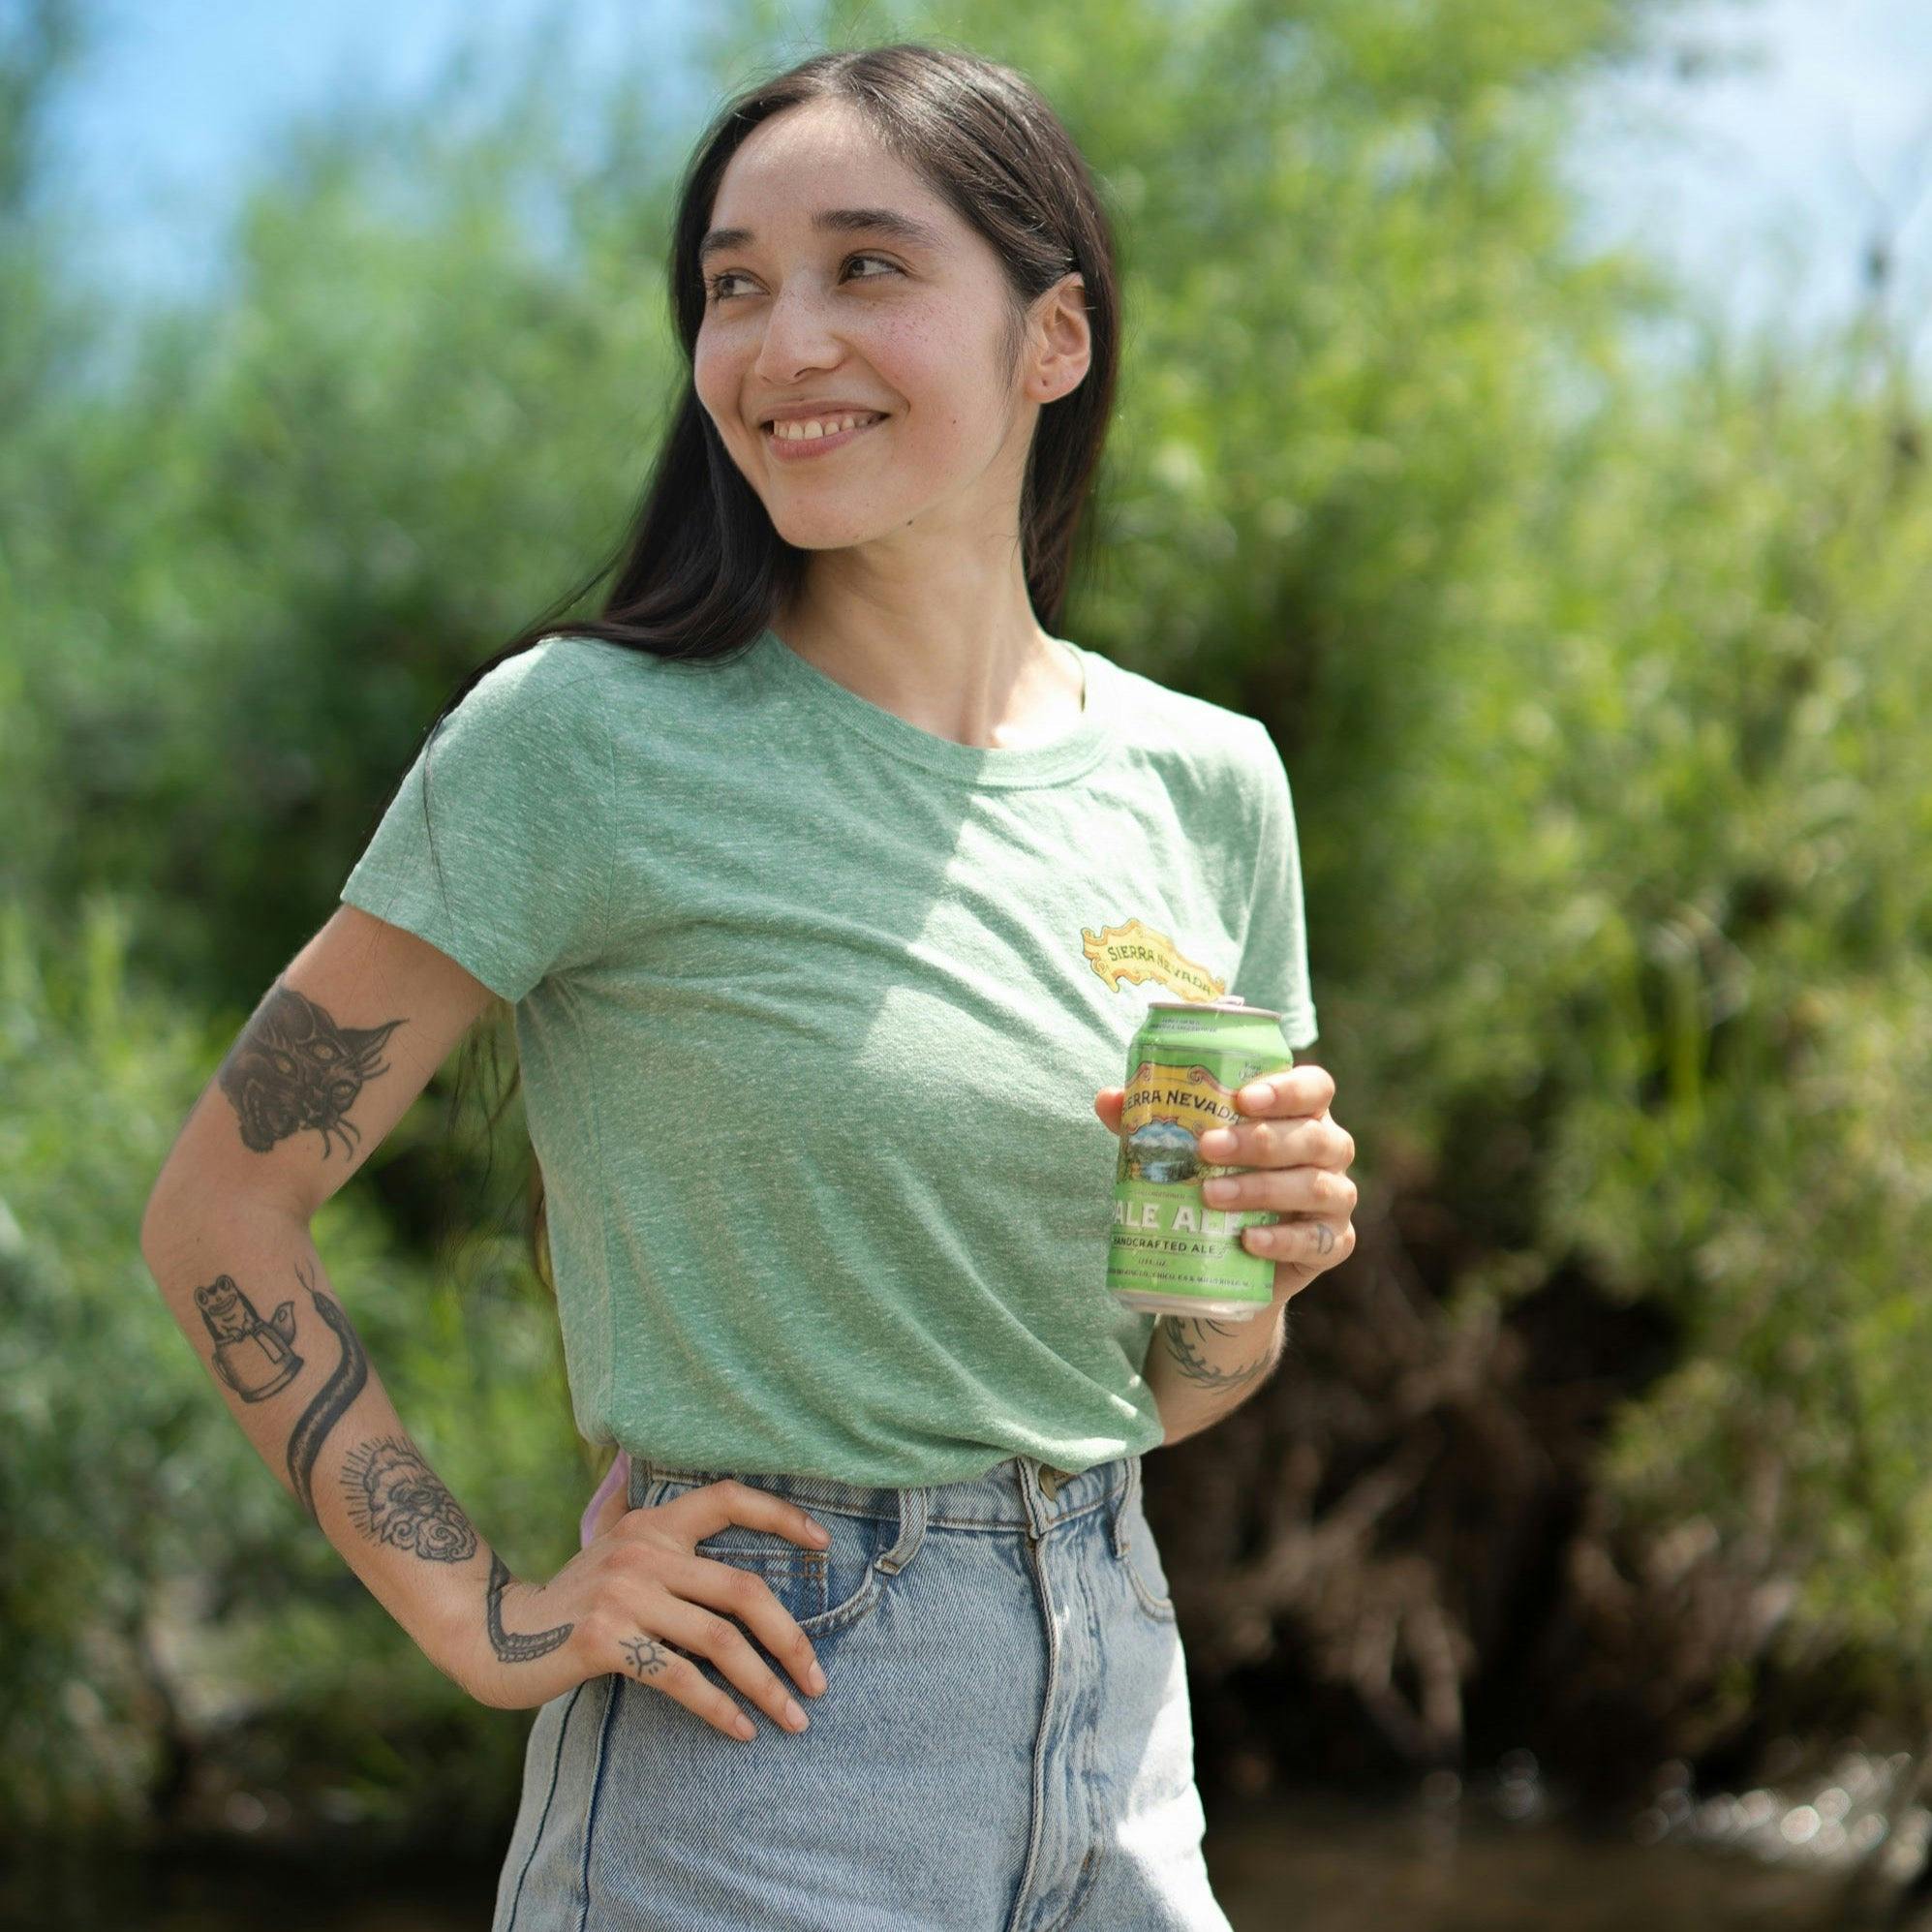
[171, 1612]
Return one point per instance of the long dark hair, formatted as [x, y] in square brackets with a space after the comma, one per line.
[703, 571]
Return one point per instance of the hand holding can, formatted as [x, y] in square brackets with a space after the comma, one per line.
[1294, 1156]
[1170, 1251]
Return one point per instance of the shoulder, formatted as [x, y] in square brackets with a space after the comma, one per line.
[594, 669]
[531, 725]
[545, 701]
[1195, 743]
[1156, 718]
[558, 670]
[607, 708]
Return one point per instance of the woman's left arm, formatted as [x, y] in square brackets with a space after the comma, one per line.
[1201, 1368]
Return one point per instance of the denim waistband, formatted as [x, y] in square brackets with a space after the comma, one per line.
[1019, 1493]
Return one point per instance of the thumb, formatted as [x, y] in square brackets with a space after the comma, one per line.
[1108, 1104]
[611, 1501]
[613, 1506]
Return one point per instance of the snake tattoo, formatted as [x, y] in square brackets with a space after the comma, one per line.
[331, 1400]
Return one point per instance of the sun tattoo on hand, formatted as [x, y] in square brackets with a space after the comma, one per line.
[645, 1657]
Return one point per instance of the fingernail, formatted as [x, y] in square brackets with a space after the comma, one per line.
[795, 1717]
[815, 1677]
[1258, 1094]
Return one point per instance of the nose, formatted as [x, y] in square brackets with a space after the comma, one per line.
[796, 338]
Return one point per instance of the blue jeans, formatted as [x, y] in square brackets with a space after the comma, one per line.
[1006, 1744]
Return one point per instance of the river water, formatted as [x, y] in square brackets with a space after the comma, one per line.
[1314, 1863]
[1306, 1863]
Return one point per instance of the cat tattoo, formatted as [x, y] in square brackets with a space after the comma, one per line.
[296, 1067]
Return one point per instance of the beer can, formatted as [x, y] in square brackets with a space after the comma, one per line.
[1171, 1253]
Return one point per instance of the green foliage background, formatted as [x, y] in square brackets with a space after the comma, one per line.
[1601, 674]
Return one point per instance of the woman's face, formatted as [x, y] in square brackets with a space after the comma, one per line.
[909, 323]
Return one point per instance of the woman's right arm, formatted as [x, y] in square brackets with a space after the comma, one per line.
[340, 1047]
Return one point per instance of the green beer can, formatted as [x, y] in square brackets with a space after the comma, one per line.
[1171, 1253]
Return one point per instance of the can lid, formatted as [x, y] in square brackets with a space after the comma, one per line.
[1232, 1003]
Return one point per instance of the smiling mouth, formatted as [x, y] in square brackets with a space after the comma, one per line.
[788, 447]
[858, 422]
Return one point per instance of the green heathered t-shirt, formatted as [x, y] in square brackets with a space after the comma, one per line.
[811, 1006]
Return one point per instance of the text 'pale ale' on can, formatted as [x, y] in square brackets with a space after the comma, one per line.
[1171, 1253]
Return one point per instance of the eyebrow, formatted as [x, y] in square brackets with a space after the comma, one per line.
[908, 229]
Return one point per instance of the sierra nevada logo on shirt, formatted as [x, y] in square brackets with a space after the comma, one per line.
[1136, 953]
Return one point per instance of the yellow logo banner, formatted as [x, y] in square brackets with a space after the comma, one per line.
[1136, 953]
[1175, 1093]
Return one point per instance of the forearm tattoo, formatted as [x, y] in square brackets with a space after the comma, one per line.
[256, 1359]
[394, 1497]
[331, 1400]
[1181, 1338]
[516, 1646]
[293, 1067]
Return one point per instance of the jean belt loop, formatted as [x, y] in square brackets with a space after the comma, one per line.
[1032, 1512]
[1123, 1502]
[915, 1505]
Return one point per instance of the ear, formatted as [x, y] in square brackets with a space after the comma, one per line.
[1063, 349]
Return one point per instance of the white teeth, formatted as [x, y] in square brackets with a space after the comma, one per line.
[799, 432]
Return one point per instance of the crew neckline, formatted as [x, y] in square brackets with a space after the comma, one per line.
[1061, 758]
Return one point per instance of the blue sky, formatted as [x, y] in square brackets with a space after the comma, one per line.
[1764, 186]
[1761, 185]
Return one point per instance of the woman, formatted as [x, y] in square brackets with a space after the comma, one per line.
[828, 883]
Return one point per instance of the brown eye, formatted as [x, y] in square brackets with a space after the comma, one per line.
[713, 285]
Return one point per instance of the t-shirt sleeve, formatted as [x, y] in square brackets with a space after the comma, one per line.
[1274, 955]
[509, 872]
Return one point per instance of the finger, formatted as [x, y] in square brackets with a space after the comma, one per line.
[698, 1629]
[717, 1506]
[1301, 1237]
[751, 1599]
[1290, 1142]
[758, 1509]
[1313, 1190]
[652, 1659]
[1306, 1089]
